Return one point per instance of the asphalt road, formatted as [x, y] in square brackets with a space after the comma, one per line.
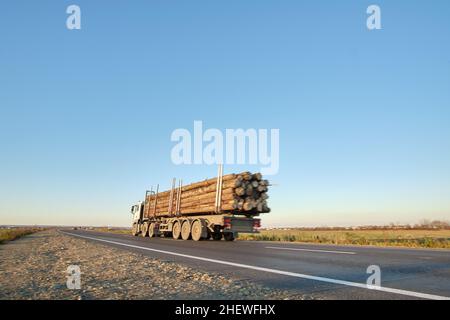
[318, 271]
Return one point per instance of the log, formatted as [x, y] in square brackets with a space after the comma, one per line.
[243, 193]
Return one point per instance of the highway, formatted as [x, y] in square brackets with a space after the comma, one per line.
[317, 271]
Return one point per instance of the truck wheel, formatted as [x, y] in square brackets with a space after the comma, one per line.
[134, 230]
[197, 230]
[167, 234]
[217, 236]
[186, 230]
[145, 229]
[176, 230]
[229, 236]
[151, 230]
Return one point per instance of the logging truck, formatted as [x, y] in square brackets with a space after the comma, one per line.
[212, 209]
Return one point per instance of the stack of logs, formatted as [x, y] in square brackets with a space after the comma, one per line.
[243, 193]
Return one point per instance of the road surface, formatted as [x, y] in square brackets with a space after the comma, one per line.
[320, 271]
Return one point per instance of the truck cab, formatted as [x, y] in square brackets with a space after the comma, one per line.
[137, 211]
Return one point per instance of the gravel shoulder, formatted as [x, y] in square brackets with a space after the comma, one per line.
[35, 267]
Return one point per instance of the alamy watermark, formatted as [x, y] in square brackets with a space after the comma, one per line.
[235, 146]
[73, 21]
[74, 277]
[374, 280]
[374, 20]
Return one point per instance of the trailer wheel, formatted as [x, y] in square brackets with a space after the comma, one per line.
[151, 230]
[217, 236]
[229, 236]
[186, 230]
[167, 234]
[145, 229]
[176, 230]
[197, 230]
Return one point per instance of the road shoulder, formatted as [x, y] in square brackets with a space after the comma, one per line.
[35, 267]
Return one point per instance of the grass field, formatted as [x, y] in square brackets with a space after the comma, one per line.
[15, 233]
[118, 231]
[388, 237]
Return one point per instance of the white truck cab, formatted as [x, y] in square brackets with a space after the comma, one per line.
[137, 211]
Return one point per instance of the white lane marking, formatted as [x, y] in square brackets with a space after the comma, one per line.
[285, 273]
[311, 250]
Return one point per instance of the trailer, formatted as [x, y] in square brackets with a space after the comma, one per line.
[217, 208]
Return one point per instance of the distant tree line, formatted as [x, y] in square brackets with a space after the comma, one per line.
[422, 225]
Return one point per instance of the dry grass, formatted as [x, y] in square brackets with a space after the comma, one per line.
[15, 233]
[403, 238]
[387, 237]
[112, 230]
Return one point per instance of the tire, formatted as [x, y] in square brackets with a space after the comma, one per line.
[134, 230]
[151, 230]
[167, 234]
[176, 230]
[229, 236]
[217, 236]
[197, 230]
[145, 230]
[186, 230]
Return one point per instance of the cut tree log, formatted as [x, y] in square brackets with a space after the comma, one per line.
[243, 193]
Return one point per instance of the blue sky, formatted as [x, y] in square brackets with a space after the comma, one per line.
[86, 115]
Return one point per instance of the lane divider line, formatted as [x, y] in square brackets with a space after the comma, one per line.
[275, 271]
[311, 250]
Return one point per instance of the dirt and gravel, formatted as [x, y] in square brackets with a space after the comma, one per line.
[35, 267]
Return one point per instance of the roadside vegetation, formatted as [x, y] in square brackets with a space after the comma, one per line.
[10, 234]
[413, 238]
[435, 234]
[112, 230]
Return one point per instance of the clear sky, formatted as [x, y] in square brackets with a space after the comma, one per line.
[364, 116]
